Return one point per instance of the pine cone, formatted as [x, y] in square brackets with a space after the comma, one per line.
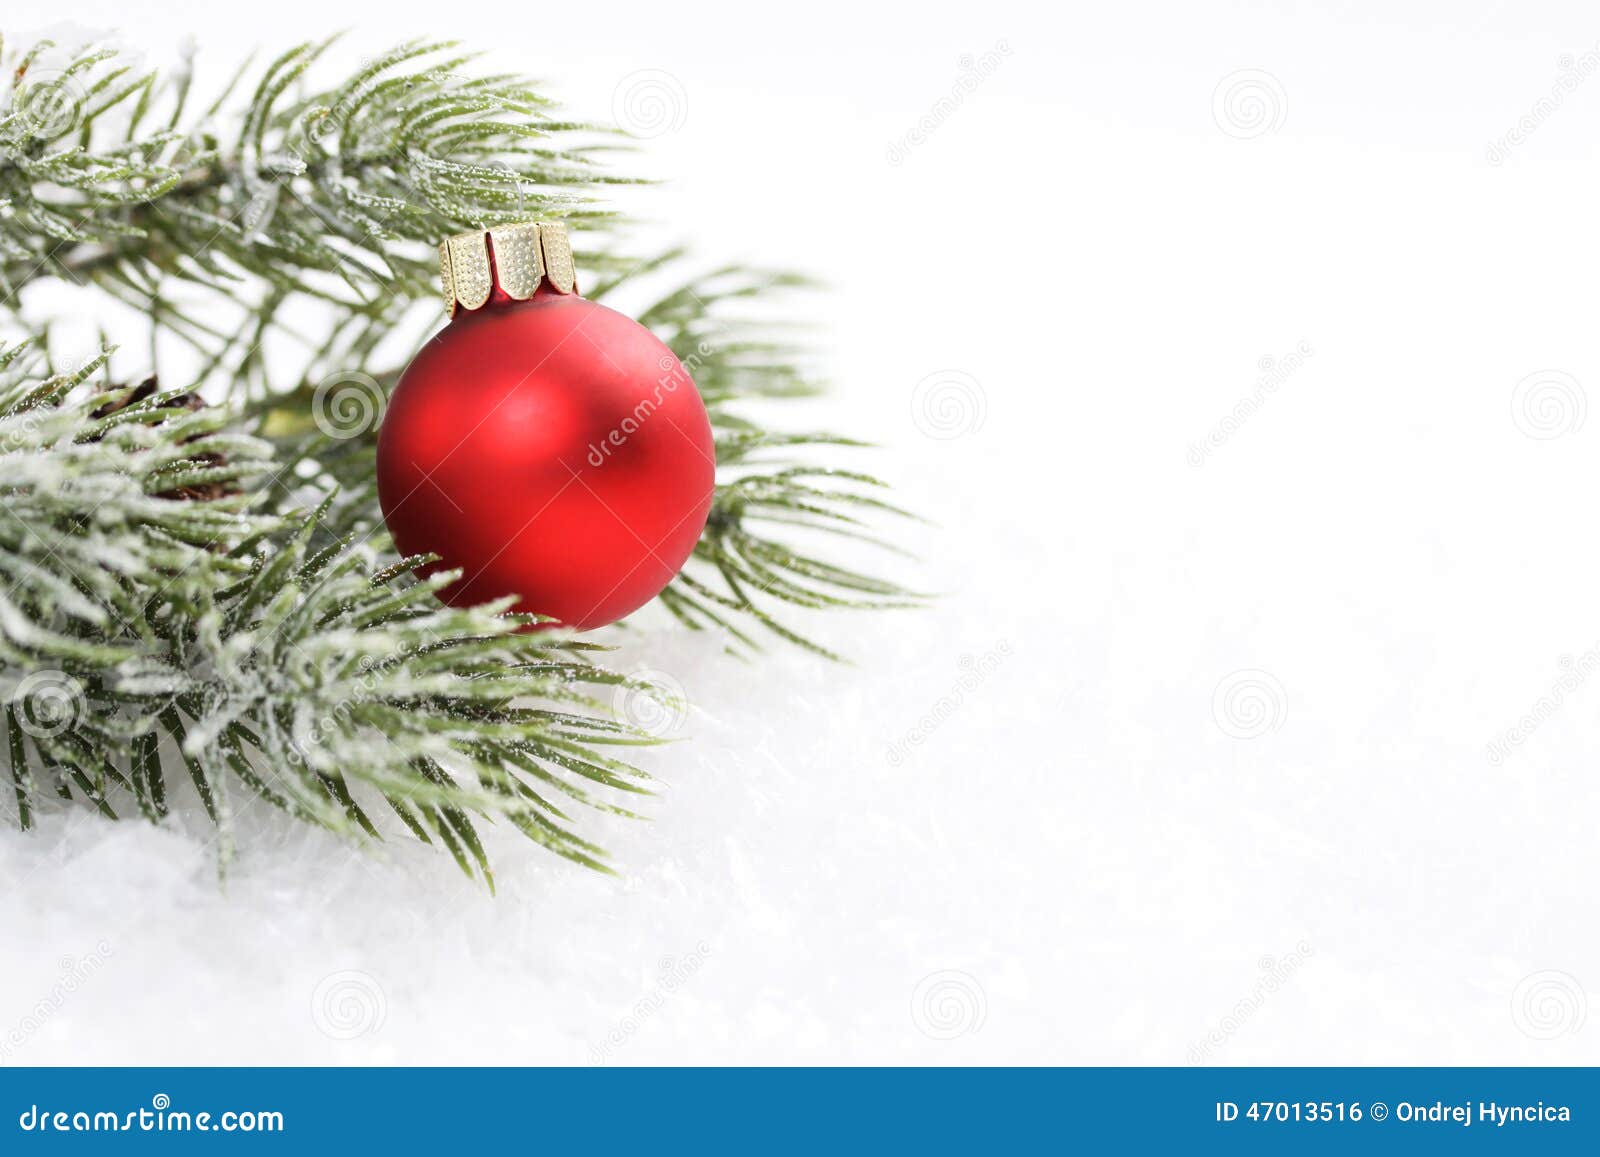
[189, 401]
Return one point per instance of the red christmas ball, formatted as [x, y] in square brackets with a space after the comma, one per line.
[549, 448]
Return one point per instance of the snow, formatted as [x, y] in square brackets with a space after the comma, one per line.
[1092, 857]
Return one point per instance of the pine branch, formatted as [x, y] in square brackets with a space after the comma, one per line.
[339, 194]
[168, 638]
[206, 594]
[724, 326]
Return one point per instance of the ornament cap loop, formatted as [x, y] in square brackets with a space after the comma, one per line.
[506, 262]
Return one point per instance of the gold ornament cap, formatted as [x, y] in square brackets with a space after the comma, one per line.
[511, 258]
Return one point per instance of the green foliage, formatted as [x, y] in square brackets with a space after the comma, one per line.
[164, 635]
[739, 571]
[338, 193]
[206, 592]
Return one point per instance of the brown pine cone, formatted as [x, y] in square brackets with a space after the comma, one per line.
[188, 401]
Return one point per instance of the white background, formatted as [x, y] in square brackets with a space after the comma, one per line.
[1107, 254]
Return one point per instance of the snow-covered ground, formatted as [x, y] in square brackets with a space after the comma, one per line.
[1264, 503]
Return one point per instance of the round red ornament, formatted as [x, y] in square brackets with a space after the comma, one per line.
[548, 447]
